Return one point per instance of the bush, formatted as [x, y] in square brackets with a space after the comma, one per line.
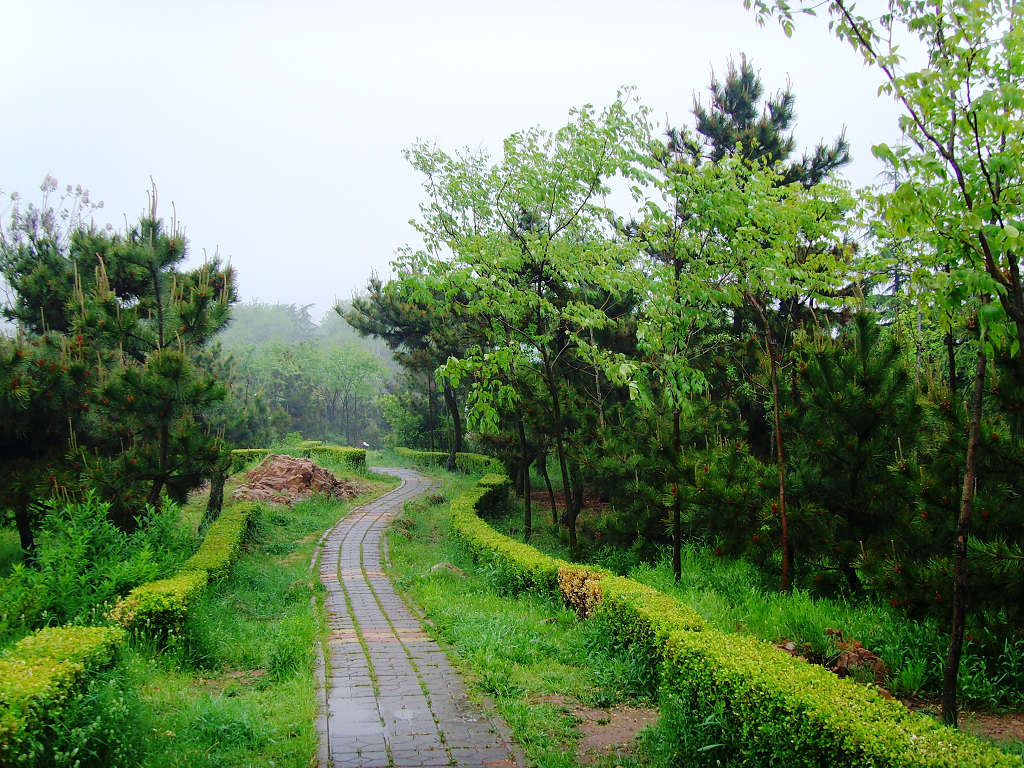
[222, 542]
[353, 458]
[84, 562]
[240, 457]
[467, 463]
[764, 707]
[160, 607]
[38, 676]
[725, 699]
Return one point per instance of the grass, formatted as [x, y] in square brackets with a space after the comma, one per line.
[236, 688]
[10, 549]
[534, 659]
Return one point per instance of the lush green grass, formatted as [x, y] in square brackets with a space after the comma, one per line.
[532, 657]
[10, 549]
[236, 688]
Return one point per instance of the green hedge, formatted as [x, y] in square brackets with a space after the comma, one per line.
[725, 699]
[240, 457]
[765, 707]
[353, 458]
[38, 674]
[468, 463]
[160, 607]
[223, 540]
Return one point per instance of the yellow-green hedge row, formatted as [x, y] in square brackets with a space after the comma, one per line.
[470, 463]
[353, 458]
[38, 674]
[242, 456]
[748, 703]
[160, 607]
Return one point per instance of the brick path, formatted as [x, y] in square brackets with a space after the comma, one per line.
[390, 697]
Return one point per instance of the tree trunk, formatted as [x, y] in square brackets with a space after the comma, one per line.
[543, 461]
[527, 510]
[158, 482]
[215, 502]
[956, 639]
[787, 553]
[25, 533]
[677, 517]
[455, 444]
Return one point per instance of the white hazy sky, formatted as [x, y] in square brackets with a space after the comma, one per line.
[277, 128]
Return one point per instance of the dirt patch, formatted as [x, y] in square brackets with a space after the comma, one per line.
[233, 682]
[1009, 727]
[591, 501]
[287, 479]
[603, 732]
[610, 731]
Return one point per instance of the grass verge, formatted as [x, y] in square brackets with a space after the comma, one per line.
[236, 687]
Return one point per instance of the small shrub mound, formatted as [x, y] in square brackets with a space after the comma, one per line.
[353, 458]
[38, 675]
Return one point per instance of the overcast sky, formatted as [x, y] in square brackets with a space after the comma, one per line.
[277, 128]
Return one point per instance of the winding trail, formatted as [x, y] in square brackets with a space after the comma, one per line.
[389, 698]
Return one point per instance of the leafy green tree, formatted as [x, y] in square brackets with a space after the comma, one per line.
[529, 250]
[960, 192]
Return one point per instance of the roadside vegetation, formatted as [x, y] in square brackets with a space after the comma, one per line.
[535, 660]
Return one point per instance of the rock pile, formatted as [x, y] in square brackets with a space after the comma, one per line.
[287, 479]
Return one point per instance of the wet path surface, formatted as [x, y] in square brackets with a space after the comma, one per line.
[390, 696]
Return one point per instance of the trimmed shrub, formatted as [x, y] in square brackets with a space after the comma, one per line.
[160, 607]
[353, 458]
[467, 463]
[725, 699]
[240, 457]
[38, 674]
[223, 540]
[515, 566]
[764, 707]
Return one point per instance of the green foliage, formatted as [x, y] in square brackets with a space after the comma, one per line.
[161, 607]
[84, 562]
[724, 697]
[755, 705]
[39, 677]
[353, 458]
[467, 463]
[241, 457]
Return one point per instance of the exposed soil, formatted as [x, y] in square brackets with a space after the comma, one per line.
[604, 732]
[286, 479]
[592, 502]
[1009, 727]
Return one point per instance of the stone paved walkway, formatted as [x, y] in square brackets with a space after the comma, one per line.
[391, 699]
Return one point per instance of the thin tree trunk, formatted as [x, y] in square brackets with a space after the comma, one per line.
[25, 533]
[527, 510]
[215, 502]
[455, 444]
[677, 517]
[787, 554]
[956, 639]
[543, 461]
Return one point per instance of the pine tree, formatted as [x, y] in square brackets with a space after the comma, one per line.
[852, 414]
